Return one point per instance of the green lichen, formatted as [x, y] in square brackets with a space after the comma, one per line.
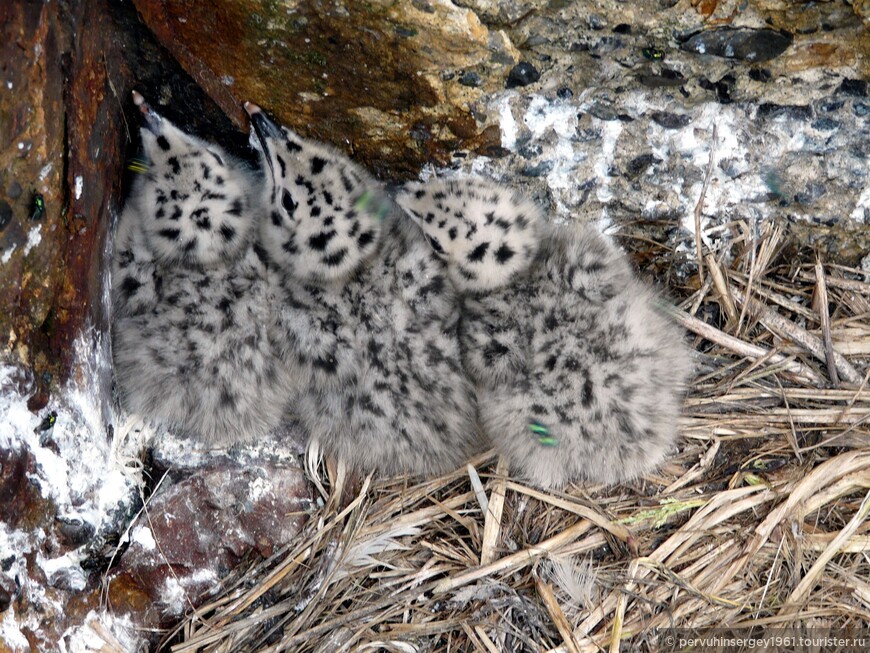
[661, 515]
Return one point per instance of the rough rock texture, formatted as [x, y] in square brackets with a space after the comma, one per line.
[608, 115]
[32, 243]
[619, 127]
[378, 79]
[81, 558]
[197, 530]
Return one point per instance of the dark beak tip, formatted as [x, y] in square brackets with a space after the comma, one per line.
[150, 117]
[263, 125]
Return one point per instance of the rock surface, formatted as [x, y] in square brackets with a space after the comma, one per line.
[377, 79]
[81, 558]
[32, 243]
[195, 531]
[619, 128]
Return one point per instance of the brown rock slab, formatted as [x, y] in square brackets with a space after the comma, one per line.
[194, 532]
[32, 245]
[379, 80]
[22, 505]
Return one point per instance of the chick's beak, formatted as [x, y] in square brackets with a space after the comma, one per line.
[150, 117]
[264, 128]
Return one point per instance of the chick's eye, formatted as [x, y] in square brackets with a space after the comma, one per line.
[435, 245]
[217, 157]
[288, 203]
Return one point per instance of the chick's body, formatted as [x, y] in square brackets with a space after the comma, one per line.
[196, 345]
[579, 374]
[368, 312]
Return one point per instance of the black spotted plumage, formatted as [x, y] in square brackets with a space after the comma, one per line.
[368, 313]
[197, 346]
[579, 374]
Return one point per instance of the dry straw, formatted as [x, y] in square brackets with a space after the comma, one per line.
[760, 518]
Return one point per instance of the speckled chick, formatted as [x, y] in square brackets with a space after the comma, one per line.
[368, 310]
[196, 345]
[580, 374]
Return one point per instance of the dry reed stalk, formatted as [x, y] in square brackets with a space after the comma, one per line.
[514, 561]
[699, 206]
[789, 330]
[821, 295]
[744, 348]
[838, 282]
[809, 580]
[492, 522]
[551, 603]
[722, 289]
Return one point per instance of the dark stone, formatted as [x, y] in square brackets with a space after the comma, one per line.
[493, 151]
[14, 191]
[671, 120]
[730, 167]
[639, 164]
[810, 194]
[759, 74]
[564, 93]
[825, 124]
[208, 522]
[752, 45]
[603, 112]
[421, 133]
[722, 88]
[832, 105]
[470, 78]
[827, 221]
[538, 170]
[405, 32]
[5, 214]
[75, 532]
[21, 503]
[622, 28]
[423, 6]
[793, 111]
[522, 74]
[853, 87]
[861, 109]
[530, 150]
[5, 600]
[665, 79]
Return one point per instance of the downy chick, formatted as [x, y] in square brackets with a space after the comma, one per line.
[368, 311]
[579, 374]
[196, 345]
